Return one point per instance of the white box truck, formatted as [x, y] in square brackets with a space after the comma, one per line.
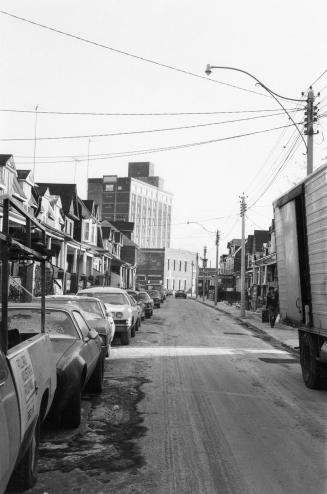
[301, 246]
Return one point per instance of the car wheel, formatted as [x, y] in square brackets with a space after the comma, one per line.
[133, 330]
[25, 474]
[124, 338]
[71, 416]
[95, 383]
[309, 362]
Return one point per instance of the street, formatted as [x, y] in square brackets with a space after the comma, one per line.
[196, 404]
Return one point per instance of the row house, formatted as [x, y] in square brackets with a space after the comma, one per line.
[82, 250]
[261, 266]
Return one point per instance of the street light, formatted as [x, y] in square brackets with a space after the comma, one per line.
[208, 71]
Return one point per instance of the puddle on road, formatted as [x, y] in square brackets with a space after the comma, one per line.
[109, 442]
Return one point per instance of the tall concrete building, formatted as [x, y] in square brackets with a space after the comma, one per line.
[138, 198]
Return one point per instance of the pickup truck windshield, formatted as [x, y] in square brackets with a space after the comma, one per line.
[29, 321]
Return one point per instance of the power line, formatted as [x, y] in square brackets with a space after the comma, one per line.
[131, 55]
[121, 114]
[133, 132]
[291, 152]
[171, 148]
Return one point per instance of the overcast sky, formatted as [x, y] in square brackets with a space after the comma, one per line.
[283, 43]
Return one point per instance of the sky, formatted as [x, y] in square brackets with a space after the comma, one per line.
[193, 138]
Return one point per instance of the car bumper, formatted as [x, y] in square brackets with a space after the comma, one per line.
[121, 328]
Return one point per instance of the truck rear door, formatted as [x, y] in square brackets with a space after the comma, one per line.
[288, 263]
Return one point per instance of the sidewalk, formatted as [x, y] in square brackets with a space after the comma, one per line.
[281, 333]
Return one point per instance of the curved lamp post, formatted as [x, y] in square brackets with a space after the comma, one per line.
[208, 71]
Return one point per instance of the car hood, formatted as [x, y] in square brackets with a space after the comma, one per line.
[62, 347]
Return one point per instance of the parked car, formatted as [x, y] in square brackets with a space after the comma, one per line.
[77, 349]
[95, 313]
[137, 311]
[170, 293]
[145, 298]
[141, 304]
[180, 294]
[156, 297]
[118, 303]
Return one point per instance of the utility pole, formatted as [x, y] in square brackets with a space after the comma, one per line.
[310, 117]
[204, 265]
[217, 267]
[242, 214]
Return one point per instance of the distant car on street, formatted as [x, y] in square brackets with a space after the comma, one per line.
[145, 298]
[118, 303]
[180, 294]
[140, 303]
[156, 297]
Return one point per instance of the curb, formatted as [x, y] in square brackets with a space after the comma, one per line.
[254, 328]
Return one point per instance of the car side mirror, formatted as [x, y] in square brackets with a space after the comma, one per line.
[92, 334]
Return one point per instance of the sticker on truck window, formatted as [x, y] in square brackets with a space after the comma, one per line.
[22, 369]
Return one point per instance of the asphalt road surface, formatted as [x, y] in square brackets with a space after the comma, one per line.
[197, 404]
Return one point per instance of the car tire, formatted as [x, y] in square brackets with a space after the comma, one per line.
[124, 338]
[95, 384]
[71, 416]
[311, 371]
[133, 330]
[25, 474]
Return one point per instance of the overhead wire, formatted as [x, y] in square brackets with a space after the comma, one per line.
[128, 54]
[284, 163]
[125, 114]
[172, 148]
[271, 153]
[136, 132]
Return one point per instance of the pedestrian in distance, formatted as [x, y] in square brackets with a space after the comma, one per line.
[272, 305]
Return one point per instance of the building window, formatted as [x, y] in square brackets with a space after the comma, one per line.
[173, 284]
[109, 187]
[185, 266]
[179, 284]
[168, 264]
[180, 265]
[86, 230]
[174, 265]
[185, 285]
[167, 283]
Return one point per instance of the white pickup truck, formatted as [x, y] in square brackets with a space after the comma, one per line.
[27, 386]
[27, 369]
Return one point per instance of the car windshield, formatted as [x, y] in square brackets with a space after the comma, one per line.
[110, 298]
[154, 293]
[143, 296]
[91, 309]
[28, 320]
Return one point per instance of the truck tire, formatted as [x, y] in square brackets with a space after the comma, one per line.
[309, 352]
[95, 384]
[124, 338]
[25, 474]
[71, 416]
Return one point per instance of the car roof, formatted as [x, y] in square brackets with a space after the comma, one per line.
[35, 305]
[72, 297]
[102, 289]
